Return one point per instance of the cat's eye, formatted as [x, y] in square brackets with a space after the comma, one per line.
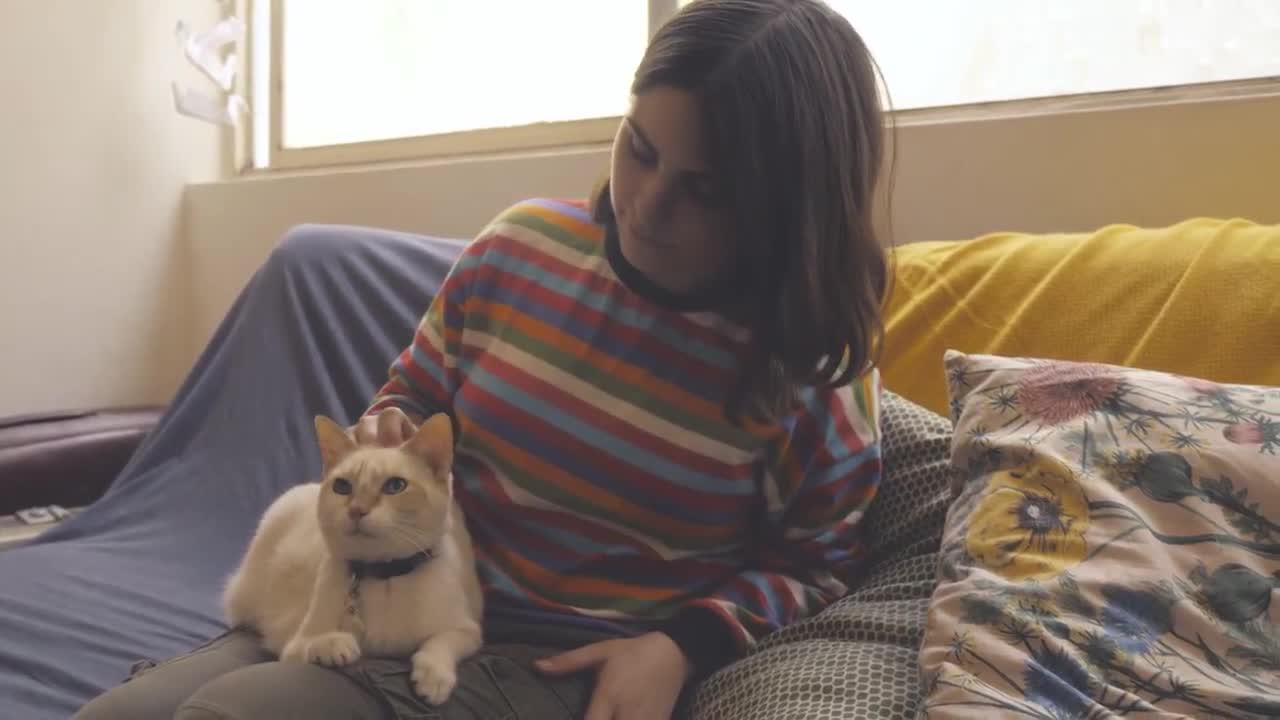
[342, 486]
[394, 485]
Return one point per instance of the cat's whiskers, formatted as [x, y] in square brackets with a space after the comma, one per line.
[402, 532]
[407, 526]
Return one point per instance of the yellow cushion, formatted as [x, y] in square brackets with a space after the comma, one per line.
[1200, 298]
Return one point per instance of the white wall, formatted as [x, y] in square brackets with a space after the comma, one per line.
[232, 225]
[94, 288]
[1150, 164]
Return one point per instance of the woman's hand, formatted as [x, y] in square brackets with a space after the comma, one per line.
[637, 678]
[388, 428]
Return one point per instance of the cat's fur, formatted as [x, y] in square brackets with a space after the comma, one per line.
[292, 585]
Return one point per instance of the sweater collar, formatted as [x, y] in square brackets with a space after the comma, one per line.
[713, 297]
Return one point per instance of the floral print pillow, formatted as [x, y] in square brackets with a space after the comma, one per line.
[1114, 550]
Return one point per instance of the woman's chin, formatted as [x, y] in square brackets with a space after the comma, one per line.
[652, 260]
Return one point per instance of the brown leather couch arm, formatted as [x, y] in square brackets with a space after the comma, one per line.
[67, 458]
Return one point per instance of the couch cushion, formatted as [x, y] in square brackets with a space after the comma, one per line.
[1197, 298]
[1114, 549]
[67, 458]
[857, 659]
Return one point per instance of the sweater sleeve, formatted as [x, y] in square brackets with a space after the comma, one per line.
[424, 377]
[822, 475]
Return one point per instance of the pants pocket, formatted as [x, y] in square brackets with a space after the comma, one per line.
[146, 665]
[391, 681]
[491, 686]
[530, 695]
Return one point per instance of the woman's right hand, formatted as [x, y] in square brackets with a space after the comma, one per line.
[388, 428]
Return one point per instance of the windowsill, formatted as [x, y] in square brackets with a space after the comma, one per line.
[1094, 102]
[252, 175]
[1233, 91]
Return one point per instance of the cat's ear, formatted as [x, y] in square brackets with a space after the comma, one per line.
[335, 443]
[433, 442]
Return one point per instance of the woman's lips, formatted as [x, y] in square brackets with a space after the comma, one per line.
[650, 239]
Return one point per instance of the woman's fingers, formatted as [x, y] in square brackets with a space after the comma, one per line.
[583, 658]
[388, 428]
[587, 657]
[366, 430]
[393, 427]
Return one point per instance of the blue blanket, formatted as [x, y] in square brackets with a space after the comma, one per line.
[139, 573]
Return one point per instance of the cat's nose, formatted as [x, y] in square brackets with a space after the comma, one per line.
[355, 512]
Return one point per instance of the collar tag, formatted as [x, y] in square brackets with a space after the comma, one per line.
[351, 609]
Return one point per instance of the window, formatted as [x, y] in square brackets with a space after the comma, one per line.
[387, 79]
[399, 68]
[937, 54]
[454, 76]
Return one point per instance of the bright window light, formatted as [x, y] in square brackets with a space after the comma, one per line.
[360, 70]
[356, 70]
[958, 53]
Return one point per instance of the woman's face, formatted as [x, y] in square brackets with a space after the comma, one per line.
[671, 222]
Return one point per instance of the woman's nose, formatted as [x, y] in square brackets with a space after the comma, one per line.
[653, 204]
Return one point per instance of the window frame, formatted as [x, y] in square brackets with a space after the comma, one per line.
[592, 132]
[481, 141]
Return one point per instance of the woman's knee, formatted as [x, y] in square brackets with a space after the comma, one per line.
[121, 703]
[312, 246]
[281, 690]
[156, 692]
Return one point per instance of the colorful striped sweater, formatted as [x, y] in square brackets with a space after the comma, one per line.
[595, 466]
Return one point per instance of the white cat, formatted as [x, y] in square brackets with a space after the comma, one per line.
[374, 560]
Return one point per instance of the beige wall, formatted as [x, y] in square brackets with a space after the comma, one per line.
[232, 225]
[94, 296]
[1149, 165]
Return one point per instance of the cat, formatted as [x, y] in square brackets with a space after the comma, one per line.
[375, 559]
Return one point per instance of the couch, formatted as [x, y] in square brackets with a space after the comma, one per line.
[132, 577]
[67, 458]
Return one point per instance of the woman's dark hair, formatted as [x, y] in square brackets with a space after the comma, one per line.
[791, 104]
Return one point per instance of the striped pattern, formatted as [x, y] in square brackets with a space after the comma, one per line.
[596, 470]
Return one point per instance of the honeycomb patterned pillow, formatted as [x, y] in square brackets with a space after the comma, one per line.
[857, 659]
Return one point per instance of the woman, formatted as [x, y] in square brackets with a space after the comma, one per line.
[665, 396]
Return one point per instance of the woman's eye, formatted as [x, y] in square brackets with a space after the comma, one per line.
[342, 486]
[394, 485]
[641, 150]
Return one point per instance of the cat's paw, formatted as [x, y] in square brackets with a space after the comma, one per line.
[433, 678]
[295, 650]
[333, 649]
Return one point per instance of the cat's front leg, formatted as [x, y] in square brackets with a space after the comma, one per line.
[435, 665]
[319, 638]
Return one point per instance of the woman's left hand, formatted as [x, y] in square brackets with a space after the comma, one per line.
[637, 678]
